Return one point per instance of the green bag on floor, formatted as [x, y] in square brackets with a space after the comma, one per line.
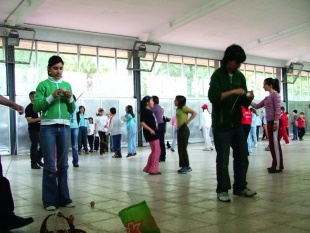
[138, 219]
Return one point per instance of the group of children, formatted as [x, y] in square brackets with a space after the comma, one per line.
[105, 127]
[150, 132]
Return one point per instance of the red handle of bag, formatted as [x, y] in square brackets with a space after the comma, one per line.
[43, 228]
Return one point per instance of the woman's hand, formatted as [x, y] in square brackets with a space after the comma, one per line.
[57, 93]
[68, 94]
[152, 132]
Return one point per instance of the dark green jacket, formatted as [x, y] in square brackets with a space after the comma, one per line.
[226, 114]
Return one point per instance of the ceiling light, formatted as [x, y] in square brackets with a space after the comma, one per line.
[142, 51]
[13, 38]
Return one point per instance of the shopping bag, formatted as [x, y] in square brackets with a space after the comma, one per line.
[138, 219]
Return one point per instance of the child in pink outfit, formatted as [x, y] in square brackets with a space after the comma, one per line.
[150, 128]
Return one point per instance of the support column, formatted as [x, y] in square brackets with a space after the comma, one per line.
[10, 76]
[137, 92]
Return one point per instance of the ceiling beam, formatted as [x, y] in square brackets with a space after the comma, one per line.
[22, 11]
[277, 36]
[188, 18]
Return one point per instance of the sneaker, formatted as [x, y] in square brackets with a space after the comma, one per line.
[245, 192]
[286, 144]
[223, 196]
[50, 208]
[41, 164]
[255, 146]
[76, 165]
[70, 205]
[211, 148]
[172, 150]
[189, 169]
[267, 148]
[155, 173]
[35, 166]
[205, 149]
[183, 170]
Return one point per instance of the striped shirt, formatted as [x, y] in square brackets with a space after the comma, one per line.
[272, 105]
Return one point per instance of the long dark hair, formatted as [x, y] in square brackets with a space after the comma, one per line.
[144, 101]
[274, 83]
[181, 100]
[130, 111]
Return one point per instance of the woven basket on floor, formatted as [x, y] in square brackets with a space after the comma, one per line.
[61, 217]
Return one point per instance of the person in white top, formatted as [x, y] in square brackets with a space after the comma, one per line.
[93, 139]
[101, 126]
[115, 129]
[205, 126]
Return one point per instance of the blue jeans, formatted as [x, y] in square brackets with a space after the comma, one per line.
[74, 144]
[223, 140]
[116, 139]
[82, 138]
[131, 139]
[175, 130]
[295, 131]
[55, 140]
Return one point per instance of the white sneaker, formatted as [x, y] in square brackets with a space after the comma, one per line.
[223, 196]
[50, 208]
[206, 149]
[286, 144]
[255, 146]
[70, 205]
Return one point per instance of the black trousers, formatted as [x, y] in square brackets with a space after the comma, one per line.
[6, 198]
[301, 132]
[103, 145]
[183, 136]
[161, 135]
[35, 151]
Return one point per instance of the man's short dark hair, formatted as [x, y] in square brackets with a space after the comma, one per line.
[113, 110]
[295, 111]
[234, 52]
[31, 94]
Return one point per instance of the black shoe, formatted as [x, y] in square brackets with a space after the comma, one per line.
[168, 145]
[14, 222]
[40, 164]
[274, 171]
[76, 165]
[35, 167]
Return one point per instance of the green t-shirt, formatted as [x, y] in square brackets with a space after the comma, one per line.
[182, 115]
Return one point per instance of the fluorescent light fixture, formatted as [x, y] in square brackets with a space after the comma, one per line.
[13, 38]
[142, 51]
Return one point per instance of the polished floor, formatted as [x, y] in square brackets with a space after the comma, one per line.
[180, 203]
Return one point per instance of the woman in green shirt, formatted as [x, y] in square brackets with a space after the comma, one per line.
[183, 132]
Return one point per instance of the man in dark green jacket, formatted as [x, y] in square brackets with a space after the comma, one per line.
[227, 93]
